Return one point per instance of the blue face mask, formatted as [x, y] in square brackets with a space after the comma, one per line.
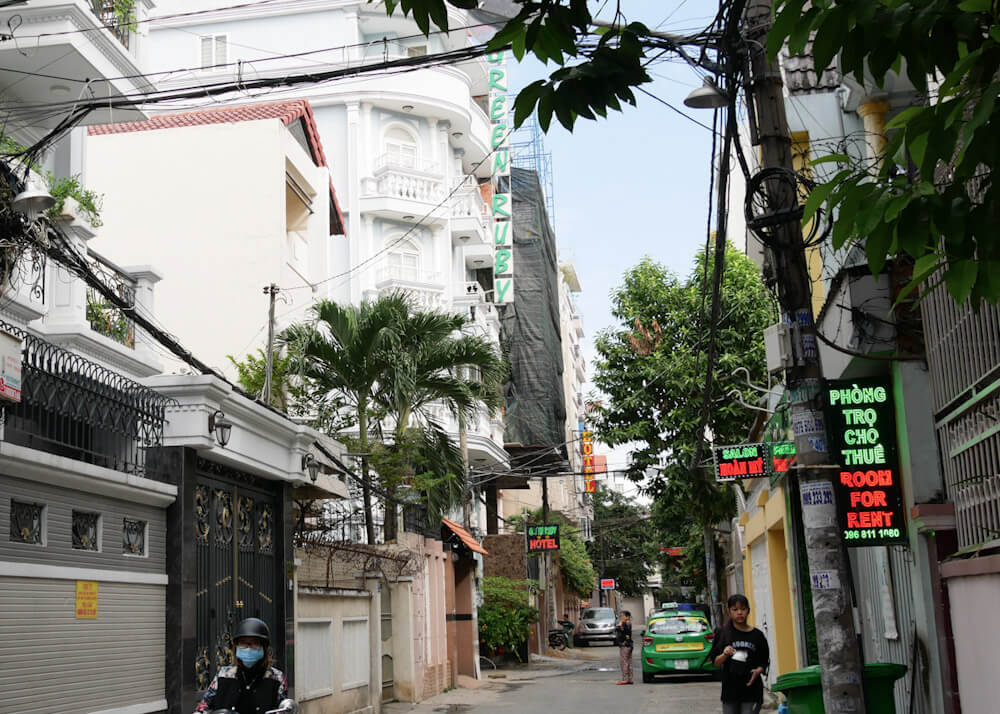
[249, 656]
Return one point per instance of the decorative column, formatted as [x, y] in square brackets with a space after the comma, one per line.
[68, 293]
[873, 113]
[354, 234]
[146, 277]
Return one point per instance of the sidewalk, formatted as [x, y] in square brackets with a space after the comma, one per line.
[494, 682]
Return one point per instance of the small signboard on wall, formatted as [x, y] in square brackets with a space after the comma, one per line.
[10, 367]
[86, 600]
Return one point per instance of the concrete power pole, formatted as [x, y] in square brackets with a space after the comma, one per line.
[839, 655]
[271, 291]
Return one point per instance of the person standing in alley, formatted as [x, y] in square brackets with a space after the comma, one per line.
[623, 638]
[742, 653]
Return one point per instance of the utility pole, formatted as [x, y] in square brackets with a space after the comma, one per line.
[272, 292]
[839, 656]
[550, 591]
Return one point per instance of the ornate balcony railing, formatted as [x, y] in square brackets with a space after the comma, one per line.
[119, 26]
[105, 318]
[79, 409]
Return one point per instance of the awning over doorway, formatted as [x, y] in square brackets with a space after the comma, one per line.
[466, 537]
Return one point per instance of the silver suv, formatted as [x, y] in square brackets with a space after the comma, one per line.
[596, 624]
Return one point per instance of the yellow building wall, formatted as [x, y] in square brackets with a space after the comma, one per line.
[769, 522]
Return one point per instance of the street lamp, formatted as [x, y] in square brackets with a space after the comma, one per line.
[220, 426]
[310, 464]
[707, 96]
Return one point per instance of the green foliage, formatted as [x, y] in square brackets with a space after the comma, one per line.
[625, 543]
[932, 200]
[90, 202]
[506, 615]
[251, 374]
[601, 77]
[107, 320]
[124, 11]
[575, 563]
[651, 372]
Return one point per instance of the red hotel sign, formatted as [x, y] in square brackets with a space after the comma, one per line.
[861, 426]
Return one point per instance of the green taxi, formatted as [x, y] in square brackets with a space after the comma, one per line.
[676, 641]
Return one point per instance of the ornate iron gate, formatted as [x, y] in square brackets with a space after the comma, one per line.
[235, 537]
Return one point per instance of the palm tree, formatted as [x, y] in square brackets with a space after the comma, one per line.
[344, 352]
[437, 364]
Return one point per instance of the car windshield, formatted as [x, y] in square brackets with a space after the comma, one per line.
[678, 626]
[599, 613]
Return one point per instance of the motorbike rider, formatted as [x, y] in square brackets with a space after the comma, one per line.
[252, 685]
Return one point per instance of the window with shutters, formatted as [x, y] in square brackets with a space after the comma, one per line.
[315, 672]
[354, 639]
[214, 50]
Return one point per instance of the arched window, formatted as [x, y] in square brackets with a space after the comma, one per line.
[400, 148]
[403, 259]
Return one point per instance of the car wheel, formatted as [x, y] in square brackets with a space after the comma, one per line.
[647, 678]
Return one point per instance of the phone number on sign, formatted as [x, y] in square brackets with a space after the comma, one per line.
[870, 533]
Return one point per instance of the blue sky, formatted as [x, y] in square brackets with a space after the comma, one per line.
[633, 184]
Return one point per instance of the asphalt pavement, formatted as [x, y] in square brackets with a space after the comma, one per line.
[573, 683]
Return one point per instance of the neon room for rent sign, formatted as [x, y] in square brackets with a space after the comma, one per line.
[861, 427]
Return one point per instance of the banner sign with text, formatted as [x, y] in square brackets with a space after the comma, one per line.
[607, 584]
[741, 461]
[587, 450]
[543, 538]
[861, 428]
[501, 207]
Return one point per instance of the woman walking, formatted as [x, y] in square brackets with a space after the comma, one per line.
[742, 653]
[623, 638]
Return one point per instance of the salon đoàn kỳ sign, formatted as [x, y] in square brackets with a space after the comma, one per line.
[741, 461]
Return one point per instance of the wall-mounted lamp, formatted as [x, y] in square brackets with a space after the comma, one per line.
[220, 426]
[310, 464]
[32, 202]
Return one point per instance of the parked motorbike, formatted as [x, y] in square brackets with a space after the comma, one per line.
[287, 706]
[558, 639]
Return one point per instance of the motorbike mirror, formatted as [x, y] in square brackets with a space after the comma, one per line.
[287, 706]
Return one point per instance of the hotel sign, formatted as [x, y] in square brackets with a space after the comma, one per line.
[502, 207]
[589, 470]
[861, 427]
[543, 538]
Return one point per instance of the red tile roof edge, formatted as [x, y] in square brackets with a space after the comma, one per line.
[466, 537]
[287, 111]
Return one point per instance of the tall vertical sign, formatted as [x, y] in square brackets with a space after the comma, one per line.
[587, 446]
[502, 208]
[861, 426]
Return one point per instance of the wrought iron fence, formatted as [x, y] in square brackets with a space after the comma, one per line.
[105, 318]
[118, 25]
[76, 408]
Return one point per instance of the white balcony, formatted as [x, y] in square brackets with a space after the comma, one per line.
[469, 215]
[424, 287]
[60, 44]
[404, 190]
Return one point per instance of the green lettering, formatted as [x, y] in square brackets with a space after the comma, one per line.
[499, 135]
[501, 162]
[502, 287]
[499, 201]
[497, 76]
[495, 57]
[498, 107]
[500, 231]
[501, 261]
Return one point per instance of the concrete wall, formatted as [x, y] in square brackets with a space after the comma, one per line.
[332, 607]
[210, 213]
[974, 591]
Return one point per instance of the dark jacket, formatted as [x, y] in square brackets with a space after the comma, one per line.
[623, 635]
[247, 691]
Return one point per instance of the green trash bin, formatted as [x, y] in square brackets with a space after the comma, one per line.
[805, 695]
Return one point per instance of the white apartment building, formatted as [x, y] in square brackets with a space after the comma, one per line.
[405, 151]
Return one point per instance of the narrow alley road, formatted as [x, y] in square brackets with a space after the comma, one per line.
[576, 687]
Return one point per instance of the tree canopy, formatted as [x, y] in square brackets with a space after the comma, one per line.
[650, 372]
[932, 200]
[625, 544]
